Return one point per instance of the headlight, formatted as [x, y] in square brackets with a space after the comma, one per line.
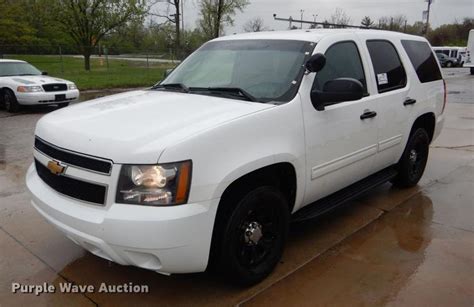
[29, 89]
[161, 184]
[72, 86]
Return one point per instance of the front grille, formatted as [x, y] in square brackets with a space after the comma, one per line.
[71, 158]
[55, 87]
[72, 187]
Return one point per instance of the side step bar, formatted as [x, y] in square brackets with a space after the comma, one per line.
[337, 199]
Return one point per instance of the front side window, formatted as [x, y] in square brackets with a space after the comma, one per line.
[342, 61]
[269, 70]
[389, 71]
[423, 60]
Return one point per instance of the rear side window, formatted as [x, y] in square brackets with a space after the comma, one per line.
[423, 60]
[389, 72]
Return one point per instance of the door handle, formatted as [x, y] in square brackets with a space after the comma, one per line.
[409, 101]
[368, 114]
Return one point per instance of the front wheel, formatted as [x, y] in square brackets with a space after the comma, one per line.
[254, 236]
[449, 64]
[472, 70]
[10, 102]
[413, 162]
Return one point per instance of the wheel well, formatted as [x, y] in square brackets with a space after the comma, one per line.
[426, 121]
[281, 176]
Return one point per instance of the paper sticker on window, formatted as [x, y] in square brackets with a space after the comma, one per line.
[382, 79]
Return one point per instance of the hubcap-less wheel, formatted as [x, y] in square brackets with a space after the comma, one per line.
[254, 235]
[413, 162]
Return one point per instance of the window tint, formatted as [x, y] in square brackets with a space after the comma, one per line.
[389, 71]
[342, 61]
[423, 61]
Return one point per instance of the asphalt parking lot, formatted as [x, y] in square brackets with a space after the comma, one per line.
[391, 247]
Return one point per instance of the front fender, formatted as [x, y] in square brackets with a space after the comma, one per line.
[227, 152]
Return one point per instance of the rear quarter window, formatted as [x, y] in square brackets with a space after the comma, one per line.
[389, 71]
[423, 60]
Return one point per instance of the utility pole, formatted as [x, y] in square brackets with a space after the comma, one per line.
[302, 12]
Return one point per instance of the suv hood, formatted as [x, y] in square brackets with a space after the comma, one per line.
[37, 80]
[135, 127]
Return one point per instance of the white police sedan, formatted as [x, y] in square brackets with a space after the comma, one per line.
[23, 84]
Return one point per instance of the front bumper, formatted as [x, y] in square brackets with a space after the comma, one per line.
[164, 239]
[43, 98]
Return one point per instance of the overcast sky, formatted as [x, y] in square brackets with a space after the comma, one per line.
[442, 11]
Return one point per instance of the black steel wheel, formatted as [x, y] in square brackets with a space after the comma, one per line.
[254, 236]
[413, 162]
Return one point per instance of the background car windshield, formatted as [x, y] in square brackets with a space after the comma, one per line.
[18, 69]
[266, 69]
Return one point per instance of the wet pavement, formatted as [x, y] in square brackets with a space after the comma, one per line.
[410, 247]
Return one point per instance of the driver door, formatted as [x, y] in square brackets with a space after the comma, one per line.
[341, 144]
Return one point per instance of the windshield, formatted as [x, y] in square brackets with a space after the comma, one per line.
[17, 69]
[268, 70]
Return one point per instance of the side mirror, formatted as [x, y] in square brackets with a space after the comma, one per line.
[168, 72]
[316, 62]
[337, 90]
[44, 73]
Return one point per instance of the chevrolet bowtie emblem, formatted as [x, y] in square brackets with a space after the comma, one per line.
[56, 168]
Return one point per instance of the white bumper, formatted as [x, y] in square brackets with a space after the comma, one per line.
[46, 97]
[167, 240]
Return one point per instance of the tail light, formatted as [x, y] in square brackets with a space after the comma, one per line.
[445, 96]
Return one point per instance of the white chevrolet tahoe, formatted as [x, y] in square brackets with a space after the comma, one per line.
[23, 84]
[208, 168]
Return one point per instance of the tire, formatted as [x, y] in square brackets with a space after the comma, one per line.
[472, 70]
[413, 162]
[449, 64]
[10, 102]
[252, 238]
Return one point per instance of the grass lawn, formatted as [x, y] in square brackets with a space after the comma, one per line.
[120, 73]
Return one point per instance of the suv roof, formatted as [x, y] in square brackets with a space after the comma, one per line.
[315, 35]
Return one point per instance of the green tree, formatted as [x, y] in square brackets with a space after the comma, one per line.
[14, 27]
[88, 21]
[215, 14]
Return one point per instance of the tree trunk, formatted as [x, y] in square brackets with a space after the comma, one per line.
[178, 28]
[217, 25]
[87, 61]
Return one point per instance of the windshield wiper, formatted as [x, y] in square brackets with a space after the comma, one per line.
[234, 91]
[27, 75]
[179, 86]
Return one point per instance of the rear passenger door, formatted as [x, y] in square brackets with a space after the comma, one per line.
[392, 87]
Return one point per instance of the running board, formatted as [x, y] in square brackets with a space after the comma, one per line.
[337, 199]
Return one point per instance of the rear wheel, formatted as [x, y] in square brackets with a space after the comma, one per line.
[413, 162]
[449, 64]
[472, 70]
[253, 237]
[10, 102]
